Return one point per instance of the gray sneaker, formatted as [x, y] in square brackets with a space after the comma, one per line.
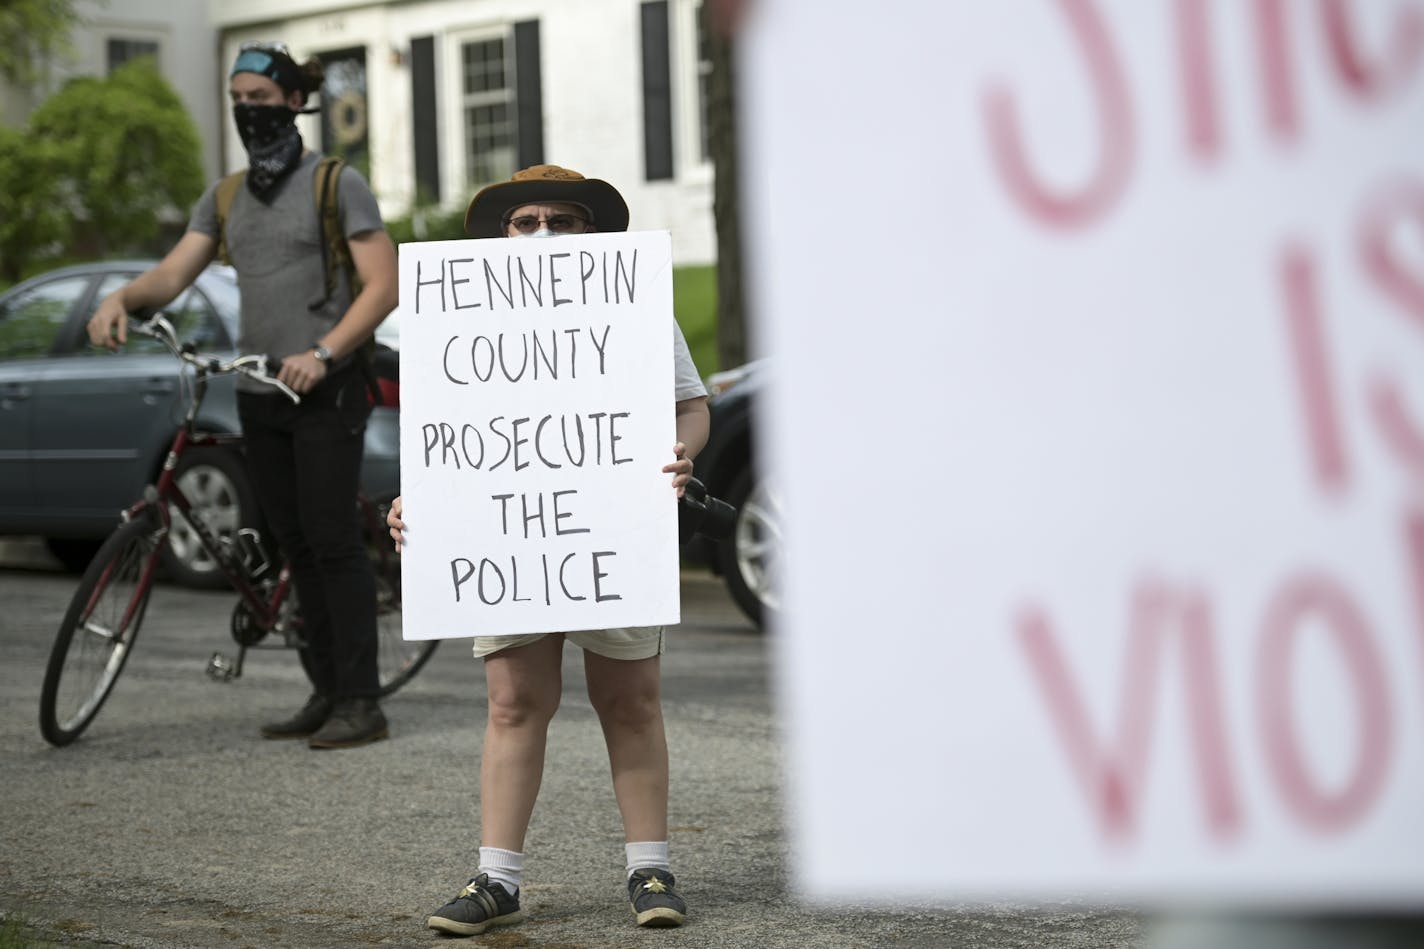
[304, 724]
[480, 905]
[655, 902]
[353, 722]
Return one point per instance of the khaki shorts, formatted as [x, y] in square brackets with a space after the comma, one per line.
[635, 642]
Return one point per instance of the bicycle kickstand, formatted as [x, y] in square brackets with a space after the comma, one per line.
[222, 669]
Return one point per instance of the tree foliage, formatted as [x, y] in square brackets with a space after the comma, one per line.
[32, 219]
[128, 153]
[30, 30]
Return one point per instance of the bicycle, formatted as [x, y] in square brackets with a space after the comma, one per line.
[107, 610]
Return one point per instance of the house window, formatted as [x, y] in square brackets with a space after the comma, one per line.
[488, 106]
[677, 86]
[121, 51]
[704, 80]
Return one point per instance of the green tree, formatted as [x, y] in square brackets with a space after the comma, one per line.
[31, 218]
[129, 154]
[30, 31]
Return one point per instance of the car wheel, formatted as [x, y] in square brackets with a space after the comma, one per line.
[73, 554]
[750, 559]
[215, 481]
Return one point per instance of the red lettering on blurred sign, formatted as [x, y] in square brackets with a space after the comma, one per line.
[1112, 94]
[1168, 622]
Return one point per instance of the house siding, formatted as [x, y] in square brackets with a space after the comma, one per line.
[589, 85]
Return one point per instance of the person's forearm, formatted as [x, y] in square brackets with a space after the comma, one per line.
[375, 258]
[372, 305]
[693, 422]
[152, 289]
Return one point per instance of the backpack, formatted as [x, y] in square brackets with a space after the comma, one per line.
[335, 252]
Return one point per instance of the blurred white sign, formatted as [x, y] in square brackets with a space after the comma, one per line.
[1099, 327]
[535, 422]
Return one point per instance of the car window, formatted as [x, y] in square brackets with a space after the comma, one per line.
[197, 322]
[192, 317]
[223, 295]
[388, 333]
[30, 320]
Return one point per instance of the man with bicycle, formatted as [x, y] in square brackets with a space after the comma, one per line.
[304, 459]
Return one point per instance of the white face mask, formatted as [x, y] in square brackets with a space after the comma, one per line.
[542, 232]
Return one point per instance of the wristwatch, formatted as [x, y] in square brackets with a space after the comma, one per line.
[321, 353]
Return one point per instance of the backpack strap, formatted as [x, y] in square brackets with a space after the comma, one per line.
[222, 199]
[336, 256]
[335, 252]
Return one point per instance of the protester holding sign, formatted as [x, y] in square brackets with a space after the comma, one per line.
[621, 666]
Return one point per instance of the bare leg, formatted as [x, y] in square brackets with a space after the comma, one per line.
[524, 686]
[627, 695]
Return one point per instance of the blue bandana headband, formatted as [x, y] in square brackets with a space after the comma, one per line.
[271, 63]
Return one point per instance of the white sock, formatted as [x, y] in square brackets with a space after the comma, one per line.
[652, 854]
[503, 866]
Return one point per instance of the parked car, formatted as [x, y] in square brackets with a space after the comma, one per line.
[748, 560]
[83, 431]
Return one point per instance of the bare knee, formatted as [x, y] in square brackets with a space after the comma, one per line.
[635, 708]
[516, 707]
[524, 684]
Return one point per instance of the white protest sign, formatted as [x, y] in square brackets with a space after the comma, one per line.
[1099, 413]
[536, 418]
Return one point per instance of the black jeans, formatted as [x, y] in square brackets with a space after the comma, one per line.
[305, 465]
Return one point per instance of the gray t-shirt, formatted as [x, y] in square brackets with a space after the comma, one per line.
[687, 384]
[276, 250]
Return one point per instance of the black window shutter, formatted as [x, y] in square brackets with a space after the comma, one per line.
[528, 94]
[657, 92]
[423, 118]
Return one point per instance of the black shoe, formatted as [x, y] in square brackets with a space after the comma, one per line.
[303, 724]
[655, 902]
[480, 905]
[353, 722]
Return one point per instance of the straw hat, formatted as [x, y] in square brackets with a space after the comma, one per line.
[540, 184]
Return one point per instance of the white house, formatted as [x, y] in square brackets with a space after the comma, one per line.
[435, 98]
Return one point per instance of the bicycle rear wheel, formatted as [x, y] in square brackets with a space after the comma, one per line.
[397, 661]
[98, 631]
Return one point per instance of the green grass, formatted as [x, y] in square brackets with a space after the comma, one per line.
[694, 300]
[14, 934]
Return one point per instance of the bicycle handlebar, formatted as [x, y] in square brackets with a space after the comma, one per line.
[256, 367]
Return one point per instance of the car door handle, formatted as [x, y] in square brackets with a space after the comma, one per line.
[14, 392]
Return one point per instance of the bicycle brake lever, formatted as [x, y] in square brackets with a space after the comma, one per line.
[285, 389]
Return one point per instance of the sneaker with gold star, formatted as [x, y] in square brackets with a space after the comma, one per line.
[480, 905]
[655, 901]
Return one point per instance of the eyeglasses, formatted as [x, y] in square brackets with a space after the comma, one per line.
[263, 46]
[558, 223]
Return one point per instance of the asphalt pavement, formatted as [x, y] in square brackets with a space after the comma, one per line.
[171, 823]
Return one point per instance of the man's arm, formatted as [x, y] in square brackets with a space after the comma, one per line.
[153, 288]
[375, 258]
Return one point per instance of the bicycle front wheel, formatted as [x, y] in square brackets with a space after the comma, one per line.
[98, 631]
[397, 661]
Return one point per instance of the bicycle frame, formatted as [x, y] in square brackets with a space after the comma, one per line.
[263, 601]
[167, 494]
